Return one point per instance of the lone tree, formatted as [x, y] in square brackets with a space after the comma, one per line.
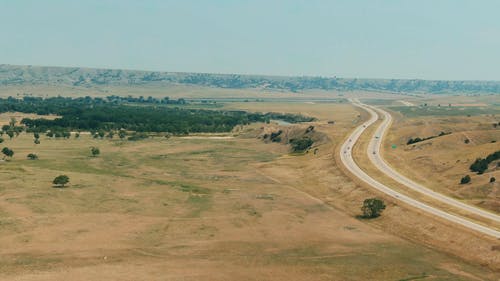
[492, 179]
[372, 207]
[61, 180]
[122, 134]
[32, 156]
[1, 140]
[95, 151]
[465, 179]
[7, 152]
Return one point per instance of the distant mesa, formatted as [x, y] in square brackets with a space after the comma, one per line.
[91, 77]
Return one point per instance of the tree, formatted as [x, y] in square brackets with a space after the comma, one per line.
[465, 179]
[372, 207]
[1, 140]
[36, 135]
[7, 152]
[37, 141]
[60, 180]
[77, 135]
[32, 156]
[492, 179]
[12, 122]
[122, 134]
[95, 151]
[10, 133]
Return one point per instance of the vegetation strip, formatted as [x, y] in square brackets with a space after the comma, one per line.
[98, 114]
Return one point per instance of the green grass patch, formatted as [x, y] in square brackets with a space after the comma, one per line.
[199, 203]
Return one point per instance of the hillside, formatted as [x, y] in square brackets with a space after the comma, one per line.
[89, 77]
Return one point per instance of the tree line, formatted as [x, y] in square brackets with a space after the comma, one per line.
[417, 139]
[481, 164]
[100, 114]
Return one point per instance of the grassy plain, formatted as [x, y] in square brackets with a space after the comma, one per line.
[204, 208]
[441, 162]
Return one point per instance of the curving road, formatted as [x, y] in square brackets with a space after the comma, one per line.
[375, 145]
[348, 161]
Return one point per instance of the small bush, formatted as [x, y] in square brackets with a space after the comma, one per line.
[60, 180]
[465, 179]
[372, 208]
[275, 136]
[32, 156]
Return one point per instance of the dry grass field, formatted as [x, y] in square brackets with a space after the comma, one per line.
[441, 162]
[205, 209]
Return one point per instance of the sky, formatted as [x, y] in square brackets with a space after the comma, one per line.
[424, 39]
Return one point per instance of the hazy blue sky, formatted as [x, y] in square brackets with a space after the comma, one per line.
[429, 39]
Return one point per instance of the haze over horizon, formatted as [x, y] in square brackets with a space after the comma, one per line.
[445, 40]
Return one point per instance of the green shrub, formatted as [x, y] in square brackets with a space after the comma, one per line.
[465, 179]
[372, 207]
[300, 145]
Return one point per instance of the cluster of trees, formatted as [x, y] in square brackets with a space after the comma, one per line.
[302, 144]
[11, 129]
[273, 136]
[101, 115]
[60, 133]
[417, 139]
[141, 99]
[481, 164]
[7, 152]
[54, 105]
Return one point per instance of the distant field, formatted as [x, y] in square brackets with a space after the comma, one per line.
[444, 110]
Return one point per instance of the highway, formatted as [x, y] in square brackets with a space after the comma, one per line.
[375, 145]
[348, 161]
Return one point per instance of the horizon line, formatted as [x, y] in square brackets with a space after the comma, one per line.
[247, 74]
